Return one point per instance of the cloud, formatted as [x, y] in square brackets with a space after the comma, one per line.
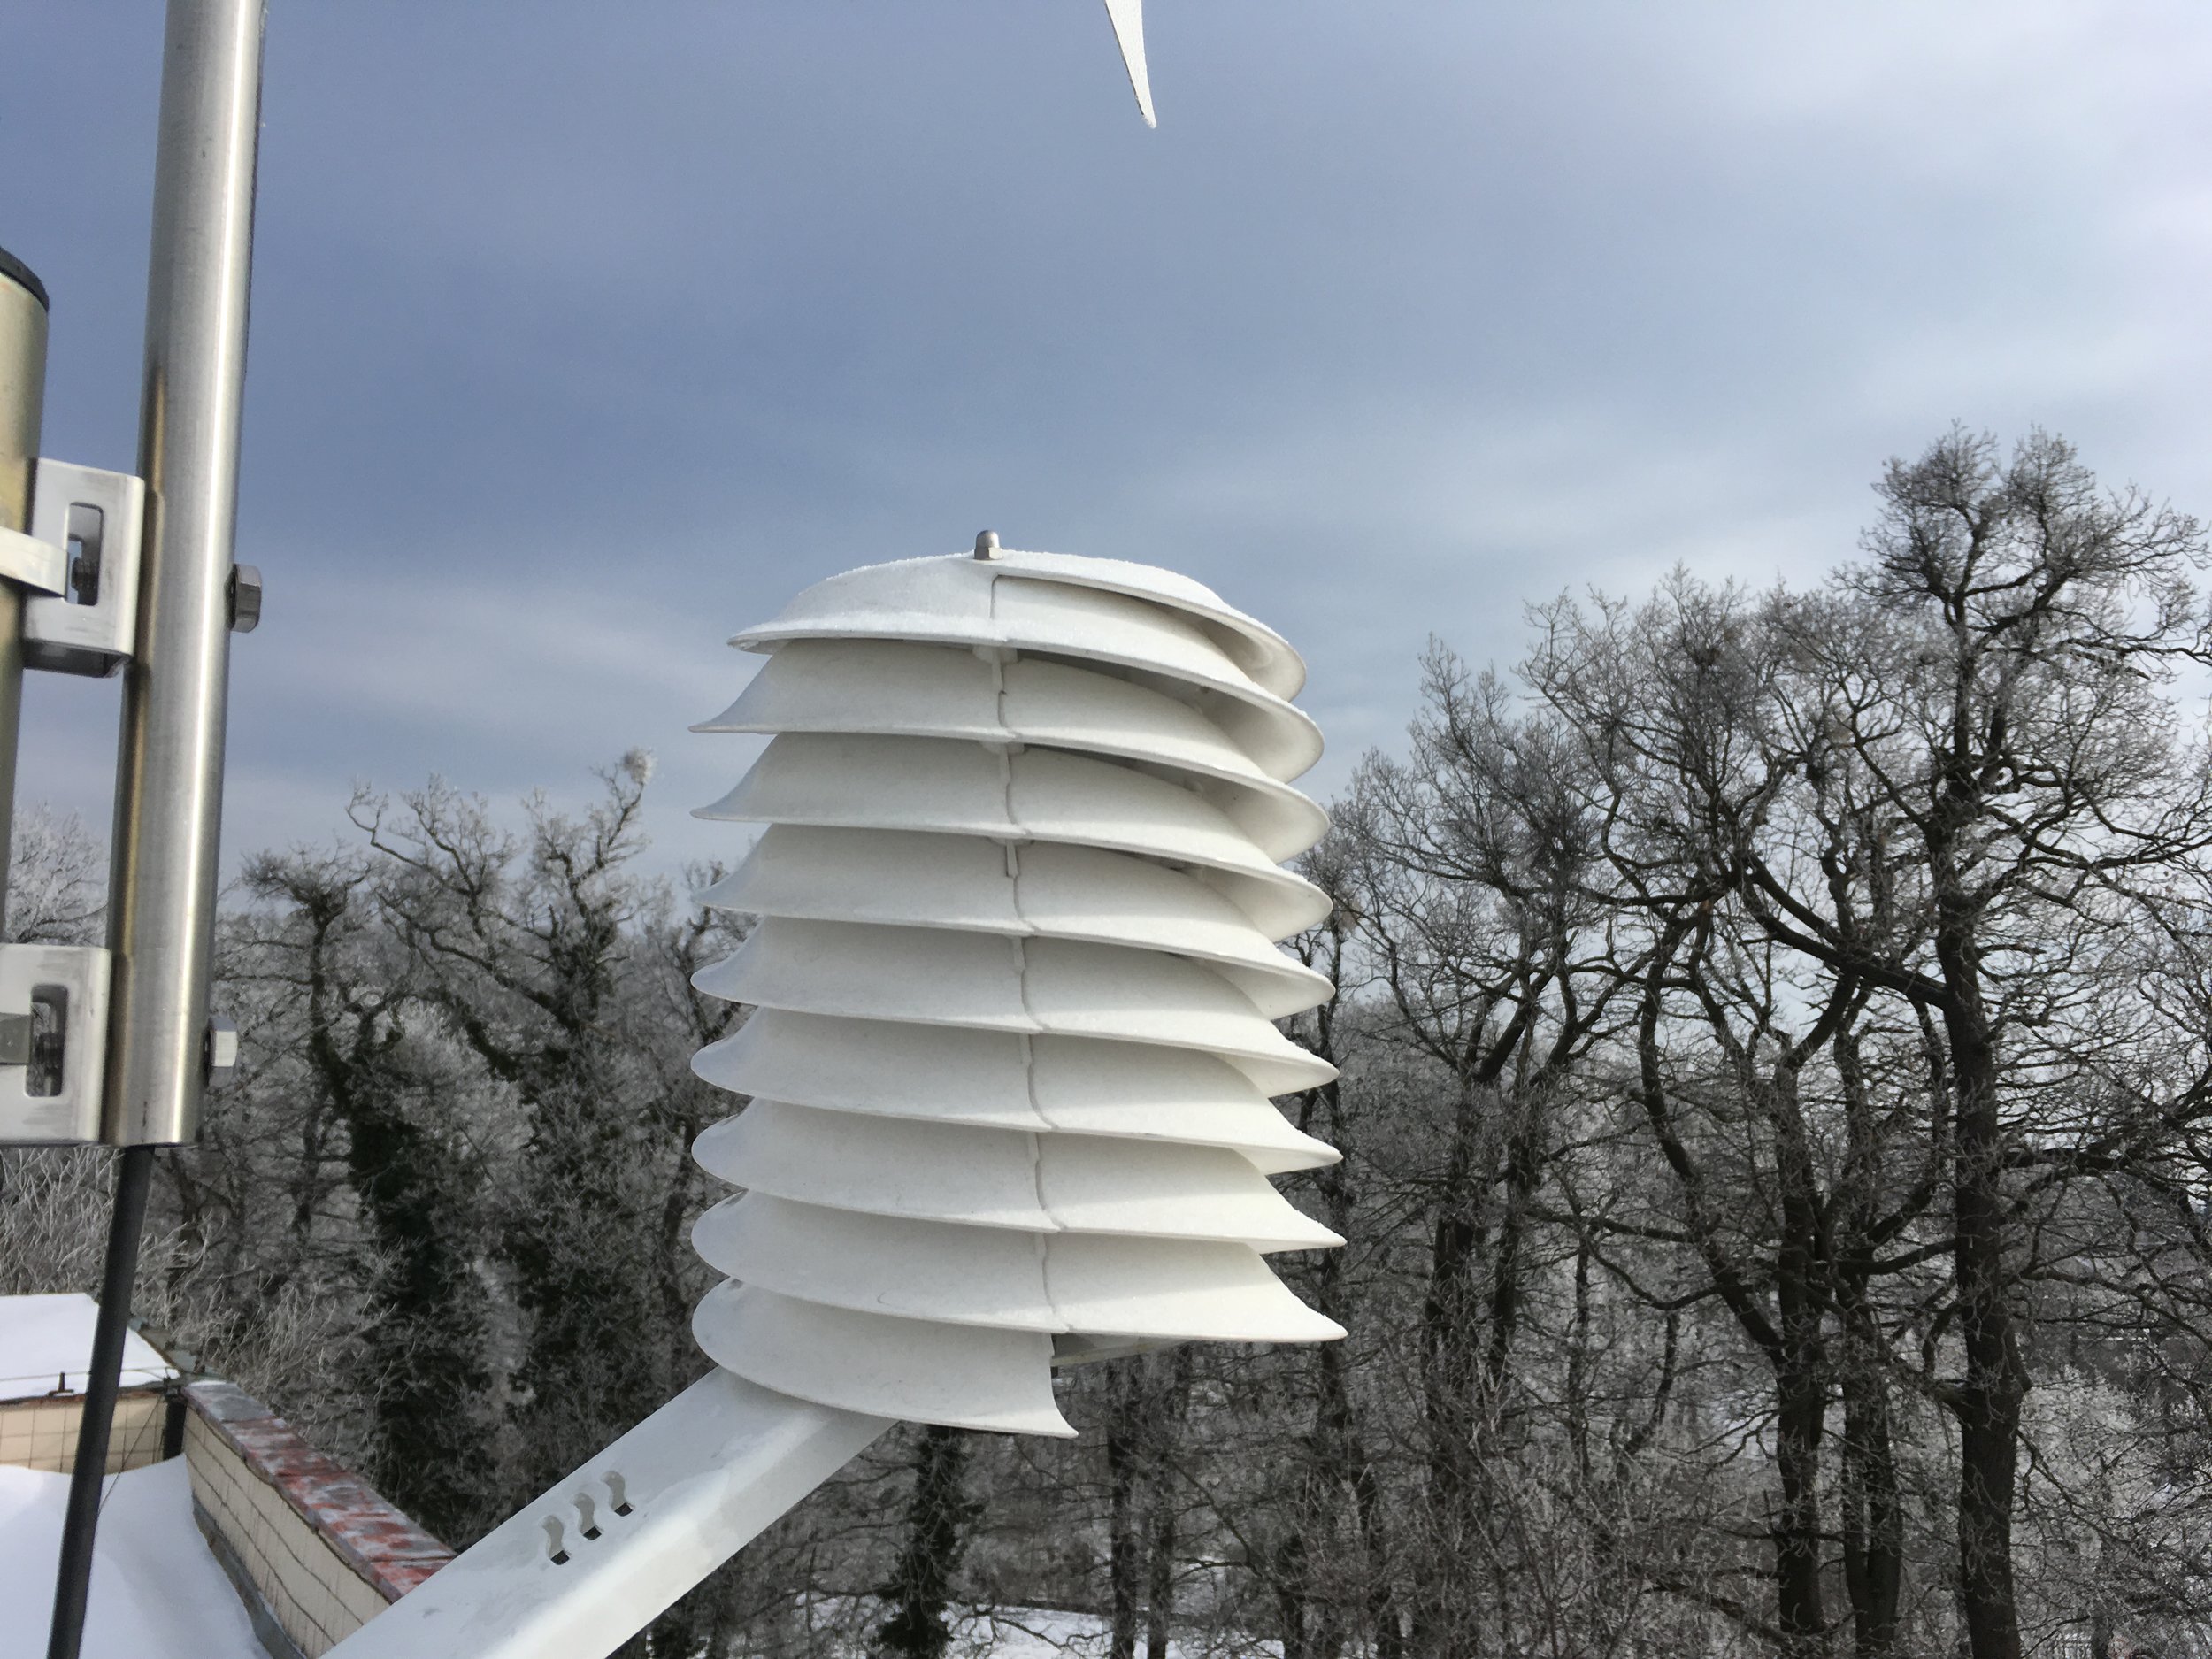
[576, 346]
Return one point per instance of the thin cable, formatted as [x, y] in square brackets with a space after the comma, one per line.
[134, 1175]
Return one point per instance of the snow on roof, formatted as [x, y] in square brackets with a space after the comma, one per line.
[46, 1344]
[157, 1591]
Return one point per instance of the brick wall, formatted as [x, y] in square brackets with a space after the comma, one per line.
[323, 1551]
[43, 1433]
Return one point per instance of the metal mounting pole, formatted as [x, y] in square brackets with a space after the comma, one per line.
[169, 783]
[22, 393]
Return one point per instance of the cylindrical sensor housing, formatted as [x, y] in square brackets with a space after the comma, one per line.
[1012, 987]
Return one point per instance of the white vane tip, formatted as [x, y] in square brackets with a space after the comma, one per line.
[1128, 19]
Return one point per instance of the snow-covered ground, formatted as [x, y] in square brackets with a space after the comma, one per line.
[1037, 1633]
[45, 1342]
[157, 1593]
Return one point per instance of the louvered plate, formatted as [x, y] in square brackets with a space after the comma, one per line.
[897, 689]
[1002, 1178]
[932, 976]
[921, 1369]
[1164, 1289]
[1090, 625]
[944, 787]
[996, 1079]
[947, 583]
[1256, 648]
[961, 882]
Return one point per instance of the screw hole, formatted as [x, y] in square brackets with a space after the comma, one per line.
[86, 524]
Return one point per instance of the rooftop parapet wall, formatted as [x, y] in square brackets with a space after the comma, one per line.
[324, 1551]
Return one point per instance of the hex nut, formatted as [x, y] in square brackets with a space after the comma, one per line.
[245, 598]
[221, 1048]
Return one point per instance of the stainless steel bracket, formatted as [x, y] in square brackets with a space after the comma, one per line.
[94, 521]
[54, 1014]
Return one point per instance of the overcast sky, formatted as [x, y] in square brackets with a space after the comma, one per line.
[584, 335]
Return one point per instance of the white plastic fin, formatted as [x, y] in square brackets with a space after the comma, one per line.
[893, 689]
[934, 589]
[960, 882]
[936, 977]
[996, 1079]
[922, 1370]
[1003, 1178]
[967, 601]
[937, 787]
[1166, 1289]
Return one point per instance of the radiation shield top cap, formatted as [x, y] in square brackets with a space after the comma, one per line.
[946, 584]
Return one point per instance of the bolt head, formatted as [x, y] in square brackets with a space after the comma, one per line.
[245, 598]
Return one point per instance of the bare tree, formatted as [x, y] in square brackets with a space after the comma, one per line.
[361, 1046]
[1469, 872]
[524, 944]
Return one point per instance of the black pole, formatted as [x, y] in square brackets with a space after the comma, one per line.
[133, 1175]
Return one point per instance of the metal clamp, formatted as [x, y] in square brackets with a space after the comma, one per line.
[53, 1043]
[94, 521]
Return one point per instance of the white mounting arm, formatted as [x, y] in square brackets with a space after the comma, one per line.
[590, 1563]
